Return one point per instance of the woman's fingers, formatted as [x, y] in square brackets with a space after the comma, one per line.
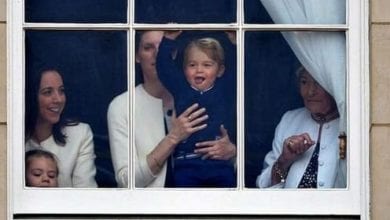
[213, 152]
[195, 114]
[197, 120]
[219, 149]
[190, 121]
[306, 139]
[202, 145]
[298, 144]
[189, 110]
[197, 128]
[223, 130]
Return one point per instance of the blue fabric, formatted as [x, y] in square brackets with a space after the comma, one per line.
[180, 11]
[198, 173]
[184, 95]
[85, 11]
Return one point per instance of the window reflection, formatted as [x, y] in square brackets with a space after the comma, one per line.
[85, 11]
[270, 90]
[93, 67]
[179, 11]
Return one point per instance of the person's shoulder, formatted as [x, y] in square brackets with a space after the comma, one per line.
[77, 129]
[119, 100]
[78, 136]
[139, 89]
[295, 114]
[144, 98]
[117, 110]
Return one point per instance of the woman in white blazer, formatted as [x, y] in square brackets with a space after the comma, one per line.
[305, 150]
[47, 128]
[157, 130]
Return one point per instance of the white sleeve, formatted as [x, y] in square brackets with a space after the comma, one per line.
[117, 120]
[84, 171]
[143, 174]
[264, 180]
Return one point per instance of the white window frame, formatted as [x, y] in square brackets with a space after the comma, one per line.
[351, 201]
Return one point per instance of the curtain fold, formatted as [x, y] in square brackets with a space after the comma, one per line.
[323, 54]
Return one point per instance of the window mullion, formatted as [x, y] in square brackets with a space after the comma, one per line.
[240, 97]
[295, 27]
[202, 26]
[73, 26]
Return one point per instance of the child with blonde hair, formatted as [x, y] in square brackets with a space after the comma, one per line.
[200, 82]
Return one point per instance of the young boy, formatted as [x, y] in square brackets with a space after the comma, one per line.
[41, 169]
[200, 83]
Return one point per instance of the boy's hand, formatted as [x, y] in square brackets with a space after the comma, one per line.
[172, 34]
[232, 36]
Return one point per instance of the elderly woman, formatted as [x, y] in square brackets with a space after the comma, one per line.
[305, 150]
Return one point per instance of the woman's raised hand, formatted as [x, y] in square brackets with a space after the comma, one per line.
[293, 147]
[190, 121]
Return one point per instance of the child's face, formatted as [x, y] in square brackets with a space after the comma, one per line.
[201, 71]
[42, 172]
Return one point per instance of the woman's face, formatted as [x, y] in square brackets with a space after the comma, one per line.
[315, 98]
[51, 98]
[147, 53]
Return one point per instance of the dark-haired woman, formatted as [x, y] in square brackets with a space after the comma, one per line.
[46, 128]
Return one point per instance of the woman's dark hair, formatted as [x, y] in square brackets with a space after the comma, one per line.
[33, 81]
[138, 72]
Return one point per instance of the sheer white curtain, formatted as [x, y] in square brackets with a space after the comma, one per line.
[321, 53]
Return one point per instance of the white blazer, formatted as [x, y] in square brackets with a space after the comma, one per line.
[331, 173]
[118, 125]
[76, 159]
[149, 130]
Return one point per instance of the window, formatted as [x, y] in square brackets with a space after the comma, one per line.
[107, 32]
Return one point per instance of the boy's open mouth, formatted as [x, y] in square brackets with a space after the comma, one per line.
[199, 79]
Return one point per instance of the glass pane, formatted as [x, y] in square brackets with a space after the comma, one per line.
[255, 13]
[198, 74]
[86, 11]
[270, 90]
[311, 101]
[295, 12]
[178, 11]
[93, 66]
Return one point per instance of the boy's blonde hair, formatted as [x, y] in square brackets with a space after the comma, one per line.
[208, 45]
